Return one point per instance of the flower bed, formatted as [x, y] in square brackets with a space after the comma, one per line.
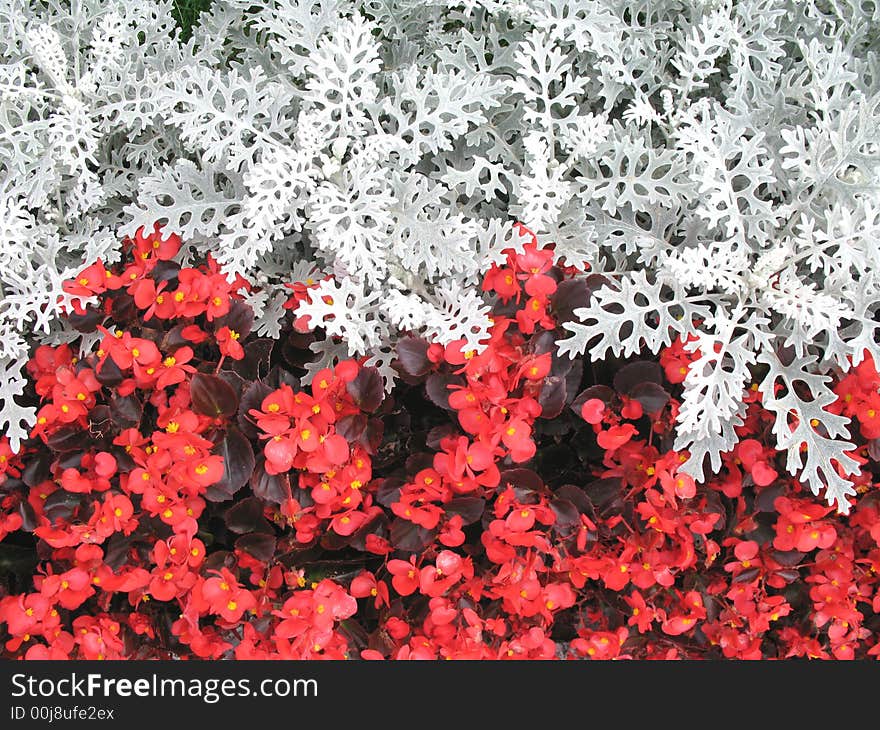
[184, 495]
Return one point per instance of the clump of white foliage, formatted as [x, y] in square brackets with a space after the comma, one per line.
[716, 160]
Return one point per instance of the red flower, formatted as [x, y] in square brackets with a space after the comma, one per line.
[593, 410]
[175, 368]
[228, 342]
[676, 359]
[70, 589]
[153, 299]
[502, 281]
[756, 459]
[616, 436]
[154, 244]
[365, 585]
[90, 281]
[405, 578]
[225, 597]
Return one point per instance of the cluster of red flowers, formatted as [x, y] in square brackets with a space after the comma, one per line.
[532, 508]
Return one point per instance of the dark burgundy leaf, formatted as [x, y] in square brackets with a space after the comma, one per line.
[295, 349]
[766, 496]
[302, 496]
[714, 505]
[552, 396]
[352, 428]
[408, 536]
[568, 518]
[603, 492]
[788, 575]
[333, 541]
[238, 465]
[88, 321]
[874, 449]
[258, 545]
[571, 294]
[600, 392]
[412, 356]
[251, 399]
[788, 558]
[257, 357]
[126, 411]
[61, 505]
[174, 338]
[28, 517]
[69, 438]
[633, 373]
[123, 308]
[245, 516]
[212, 396]
[541, 343]
[270, 488]
[377, 525]
[523, 479]
[747, 576]
[419, 460]
[438, 433]
[116, 553]
[18, 559]
[437, 388]
[37, 469]
[219, 559]
[388, 490]
[239, 318]
[165, 271]
[556, 273]
[278, 376]
[70, 460]
[235, 381]
[597, 281]
[367, 389]
[576, 496]
[124, 461]
[108, 373]
[470, 508]
[562, 366]
[373, 436]
[100, 423]
[573, 379]
[652, 396]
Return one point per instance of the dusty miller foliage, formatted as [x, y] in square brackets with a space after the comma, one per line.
[717, 161]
